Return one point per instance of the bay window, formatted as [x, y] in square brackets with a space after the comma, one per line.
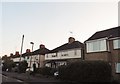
[96, 46]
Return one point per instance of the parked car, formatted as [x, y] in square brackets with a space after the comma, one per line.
[56, 74]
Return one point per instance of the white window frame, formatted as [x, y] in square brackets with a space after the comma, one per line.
[64, 53]
[92, 42]
[116, 46]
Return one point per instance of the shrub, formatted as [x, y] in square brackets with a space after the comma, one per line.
[86, 71]
[23, 65]
[46, 71]
[8, 64]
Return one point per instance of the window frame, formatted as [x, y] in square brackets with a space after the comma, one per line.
[91, 44]
[114, 46]
[118, 67]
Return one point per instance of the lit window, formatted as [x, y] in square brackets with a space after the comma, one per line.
[116, 43]
[96, 46]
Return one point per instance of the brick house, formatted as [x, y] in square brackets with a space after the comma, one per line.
[68, 52]
[105, 45]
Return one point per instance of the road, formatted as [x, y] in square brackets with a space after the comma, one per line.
[7, 80]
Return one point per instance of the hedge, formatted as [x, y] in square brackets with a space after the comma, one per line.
[23, 65]
[86, 71]
[46, 71]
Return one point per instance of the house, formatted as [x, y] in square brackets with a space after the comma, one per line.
[105, 45]
[68, 52]
[37, 56]
[16, 57]
[27, 56]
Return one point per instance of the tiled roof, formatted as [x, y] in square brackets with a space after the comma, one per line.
[110, 33]
[75, 44]
[26, 54]
[41, 51]
[14, 56]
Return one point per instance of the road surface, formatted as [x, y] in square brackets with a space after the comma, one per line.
[8, 80]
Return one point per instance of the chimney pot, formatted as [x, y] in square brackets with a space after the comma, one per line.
[71, 40]
[42, 46]
[27, 50]
[17, 53]
[11, 54]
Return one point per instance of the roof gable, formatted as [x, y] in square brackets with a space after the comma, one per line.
[110, 33]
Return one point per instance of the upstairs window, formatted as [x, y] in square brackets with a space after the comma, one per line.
[116, 43]
[96, 46]
[64, 53]
[54, 55]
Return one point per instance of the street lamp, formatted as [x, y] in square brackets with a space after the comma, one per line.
[31, 54]
[32, 45]
[30, 60]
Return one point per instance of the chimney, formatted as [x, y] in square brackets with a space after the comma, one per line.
[27, 50]
[11, 54]
[42, 46]
[17, 53]
[71, 40]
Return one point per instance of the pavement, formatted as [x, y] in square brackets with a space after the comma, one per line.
[29, 78]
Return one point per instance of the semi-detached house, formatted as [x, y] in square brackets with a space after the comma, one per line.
[37, 57]
[68, 52]
[16, 58]
[105, 45]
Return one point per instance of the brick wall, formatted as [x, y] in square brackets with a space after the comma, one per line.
[112, 56]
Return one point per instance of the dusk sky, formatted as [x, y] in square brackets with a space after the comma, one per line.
[50, 23]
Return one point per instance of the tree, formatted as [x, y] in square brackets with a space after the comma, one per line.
[23, 65]
[7, 63]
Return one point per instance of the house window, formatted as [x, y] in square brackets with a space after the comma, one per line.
[64, 53]
[75, 52]
[116, 43]
[96, 46]
[54, 55]
[118, 68]
[47, 56]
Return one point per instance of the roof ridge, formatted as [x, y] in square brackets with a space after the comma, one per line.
[108, 29]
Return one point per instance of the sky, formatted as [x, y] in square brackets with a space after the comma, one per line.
[51, 22]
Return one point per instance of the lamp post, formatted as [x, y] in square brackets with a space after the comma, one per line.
[30, 60]
[31, 54]
[19, 66]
